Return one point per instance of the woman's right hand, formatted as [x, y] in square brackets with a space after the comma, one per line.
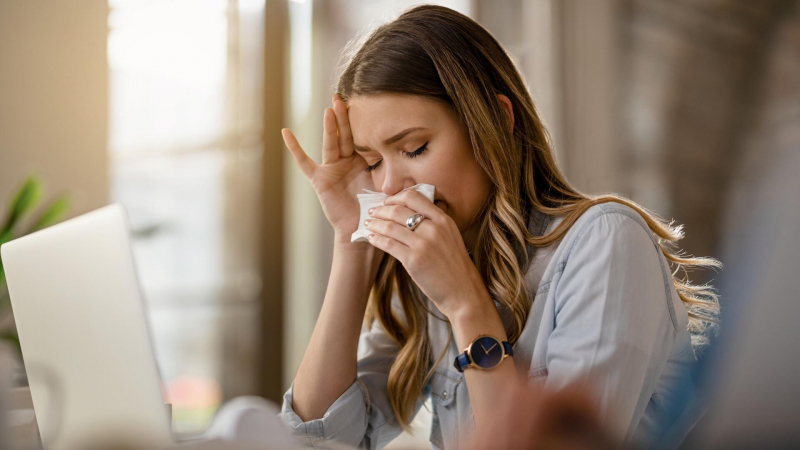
[342, 174]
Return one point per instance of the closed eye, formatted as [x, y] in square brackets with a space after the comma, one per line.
[413, 154]
[417, 152]
[374, 166]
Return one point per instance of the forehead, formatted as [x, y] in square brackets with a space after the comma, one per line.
[374, 118]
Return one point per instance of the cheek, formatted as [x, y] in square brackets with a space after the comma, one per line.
[446, 173]
[473, 189]
[377, 179]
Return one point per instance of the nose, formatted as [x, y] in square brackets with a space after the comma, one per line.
[395, 180]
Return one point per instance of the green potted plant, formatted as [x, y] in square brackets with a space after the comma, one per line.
[24, 204]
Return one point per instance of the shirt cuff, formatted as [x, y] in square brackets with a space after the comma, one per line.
[345, 420]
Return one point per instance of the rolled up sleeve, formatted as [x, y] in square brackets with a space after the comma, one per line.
[362, 417]
[613, 329]
[345, 420]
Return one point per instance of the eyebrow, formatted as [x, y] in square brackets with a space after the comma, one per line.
[391, 140]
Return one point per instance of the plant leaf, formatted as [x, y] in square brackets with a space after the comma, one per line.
[54, 212]
[26, 198]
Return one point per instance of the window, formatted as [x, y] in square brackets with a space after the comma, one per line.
[185, 149]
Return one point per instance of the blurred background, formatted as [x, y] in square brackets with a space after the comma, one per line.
[174, 109]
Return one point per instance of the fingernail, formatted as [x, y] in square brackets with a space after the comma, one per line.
[369, 236]
[366, 222]
[369, 211]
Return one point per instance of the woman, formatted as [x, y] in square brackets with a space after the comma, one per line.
[567, 288]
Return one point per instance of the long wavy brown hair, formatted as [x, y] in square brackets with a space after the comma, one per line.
[438, 53]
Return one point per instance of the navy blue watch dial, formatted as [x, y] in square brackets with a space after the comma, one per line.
[486, 352]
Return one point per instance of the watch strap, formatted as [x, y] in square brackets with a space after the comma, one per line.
[461, 362]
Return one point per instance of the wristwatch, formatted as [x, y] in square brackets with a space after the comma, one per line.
[485, 352]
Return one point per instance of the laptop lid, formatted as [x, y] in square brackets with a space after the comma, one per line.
[84, 334]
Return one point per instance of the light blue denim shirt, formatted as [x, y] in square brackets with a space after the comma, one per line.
[605, 314]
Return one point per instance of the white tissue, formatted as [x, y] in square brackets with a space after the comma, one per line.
[372, 199]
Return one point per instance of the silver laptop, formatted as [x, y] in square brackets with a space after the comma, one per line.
[85, 336]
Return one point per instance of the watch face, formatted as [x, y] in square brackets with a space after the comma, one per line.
[486, 352]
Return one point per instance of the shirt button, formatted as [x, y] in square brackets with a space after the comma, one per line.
[444, 394]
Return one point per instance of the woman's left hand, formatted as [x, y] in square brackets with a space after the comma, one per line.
[433, 253]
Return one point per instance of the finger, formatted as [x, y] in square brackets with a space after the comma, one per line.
[416, 201]
[306, 164]
[343, 121]
[330, 140]
[391, 229]
[395, 213]
[389, 245]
